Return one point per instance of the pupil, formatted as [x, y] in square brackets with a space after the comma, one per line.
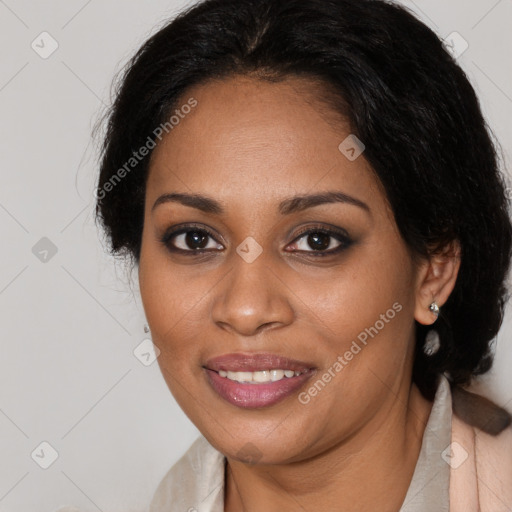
[195, 238]
[315, 240]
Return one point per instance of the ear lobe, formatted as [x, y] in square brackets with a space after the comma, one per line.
[435, 281]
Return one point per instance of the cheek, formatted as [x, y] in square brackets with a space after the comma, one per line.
[363, 312]
[170, 304]
[364, 318]
[352, 297]
[175, 300]
[162, 294]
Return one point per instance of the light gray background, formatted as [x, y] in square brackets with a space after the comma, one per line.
[69, 325]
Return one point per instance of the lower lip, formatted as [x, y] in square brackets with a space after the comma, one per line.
[249, 395]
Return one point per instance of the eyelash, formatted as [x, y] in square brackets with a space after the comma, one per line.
[339, 235]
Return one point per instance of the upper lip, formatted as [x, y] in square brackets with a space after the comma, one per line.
[255, 362]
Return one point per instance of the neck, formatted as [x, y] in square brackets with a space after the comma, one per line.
[375, 464]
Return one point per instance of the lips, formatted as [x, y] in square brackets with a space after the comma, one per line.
[255, 362]
[250, 395]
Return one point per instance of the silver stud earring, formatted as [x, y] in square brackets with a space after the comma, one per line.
[432, 342]
[434, 308]
[146, 328]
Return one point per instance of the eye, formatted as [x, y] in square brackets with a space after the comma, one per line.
[322, 241]
[194, 239]
[191, 239]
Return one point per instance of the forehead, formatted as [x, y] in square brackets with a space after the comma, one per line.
[260, 139]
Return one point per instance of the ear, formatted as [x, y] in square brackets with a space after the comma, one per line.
[435, 280]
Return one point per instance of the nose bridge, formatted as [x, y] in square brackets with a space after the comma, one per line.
[252, 295]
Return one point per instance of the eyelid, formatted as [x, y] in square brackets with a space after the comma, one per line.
[321, 228]
[180, 229]
[337, 233]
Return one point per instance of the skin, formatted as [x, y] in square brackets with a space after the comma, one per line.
[250, 144]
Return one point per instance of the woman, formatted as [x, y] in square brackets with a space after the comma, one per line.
[313, 202]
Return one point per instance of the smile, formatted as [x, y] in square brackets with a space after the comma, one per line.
[260, 376]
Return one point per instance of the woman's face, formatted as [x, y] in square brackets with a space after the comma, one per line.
[283, 282]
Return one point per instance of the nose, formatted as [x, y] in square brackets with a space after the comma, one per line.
[252, 298]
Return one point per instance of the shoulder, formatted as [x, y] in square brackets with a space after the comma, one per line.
[197, 475]
[489, 425]
[494, 467]
[483, 471]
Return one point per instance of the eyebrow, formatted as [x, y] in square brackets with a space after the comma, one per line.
[286, 207]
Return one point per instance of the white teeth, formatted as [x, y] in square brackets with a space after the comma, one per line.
[263, 376]
[276, 375]
[240, 376]
[259, 376]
